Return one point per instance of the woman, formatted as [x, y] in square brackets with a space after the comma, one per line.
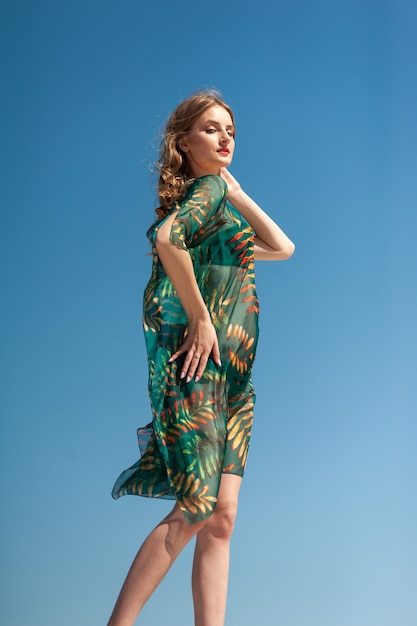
[201, 326]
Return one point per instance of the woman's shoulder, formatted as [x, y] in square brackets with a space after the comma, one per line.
[209, 192]
[211, 180]
[208, 189]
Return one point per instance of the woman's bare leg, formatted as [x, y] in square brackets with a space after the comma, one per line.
[155, 557]
[211, 556]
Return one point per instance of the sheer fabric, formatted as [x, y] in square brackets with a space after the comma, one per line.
[199, 430]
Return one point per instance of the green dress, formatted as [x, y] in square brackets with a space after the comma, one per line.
[199, 430]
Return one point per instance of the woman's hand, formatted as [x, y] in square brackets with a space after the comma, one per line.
[271, 243]
[201, 339]
[233, 186]
[200, 343]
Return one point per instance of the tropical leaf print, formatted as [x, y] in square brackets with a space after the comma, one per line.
[199, 430]
[195, 496]
[198, 217]
[239, 426]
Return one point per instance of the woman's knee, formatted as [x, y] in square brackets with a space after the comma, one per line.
[222, 522]
[178, 533]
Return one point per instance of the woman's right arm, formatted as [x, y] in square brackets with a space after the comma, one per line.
[201, 340]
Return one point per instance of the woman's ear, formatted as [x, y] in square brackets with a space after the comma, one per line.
[183, 145]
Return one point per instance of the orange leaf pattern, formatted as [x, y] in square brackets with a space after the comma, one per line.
[199, 430]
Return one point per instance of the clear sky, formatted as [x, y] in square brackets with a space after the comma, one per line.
[325, 97]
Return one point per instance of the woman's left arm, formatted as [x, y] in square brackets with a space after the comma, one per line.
[271, 243]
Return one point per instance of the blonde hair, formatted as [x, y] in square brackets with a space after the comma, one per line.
[174, 170]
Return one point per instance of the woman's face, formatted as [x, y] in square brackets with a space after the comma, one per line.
[210, 144]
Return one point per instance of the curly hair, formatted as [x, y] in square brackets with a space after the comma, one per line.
[173, 168]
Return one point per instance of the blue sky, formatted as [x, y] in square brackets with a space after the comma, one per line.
[325, 95]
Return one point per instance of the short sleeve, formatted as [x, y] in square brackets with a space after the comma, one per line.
[200, 212]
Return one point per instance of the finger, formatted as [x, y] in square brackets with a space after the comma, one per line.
[201, 367]
[215, 353]
[190, 365]
[178, 353]
[185, 347]
[187, 360]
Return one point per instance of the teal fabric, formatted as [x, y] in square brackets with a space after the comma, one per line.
[199, 430]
